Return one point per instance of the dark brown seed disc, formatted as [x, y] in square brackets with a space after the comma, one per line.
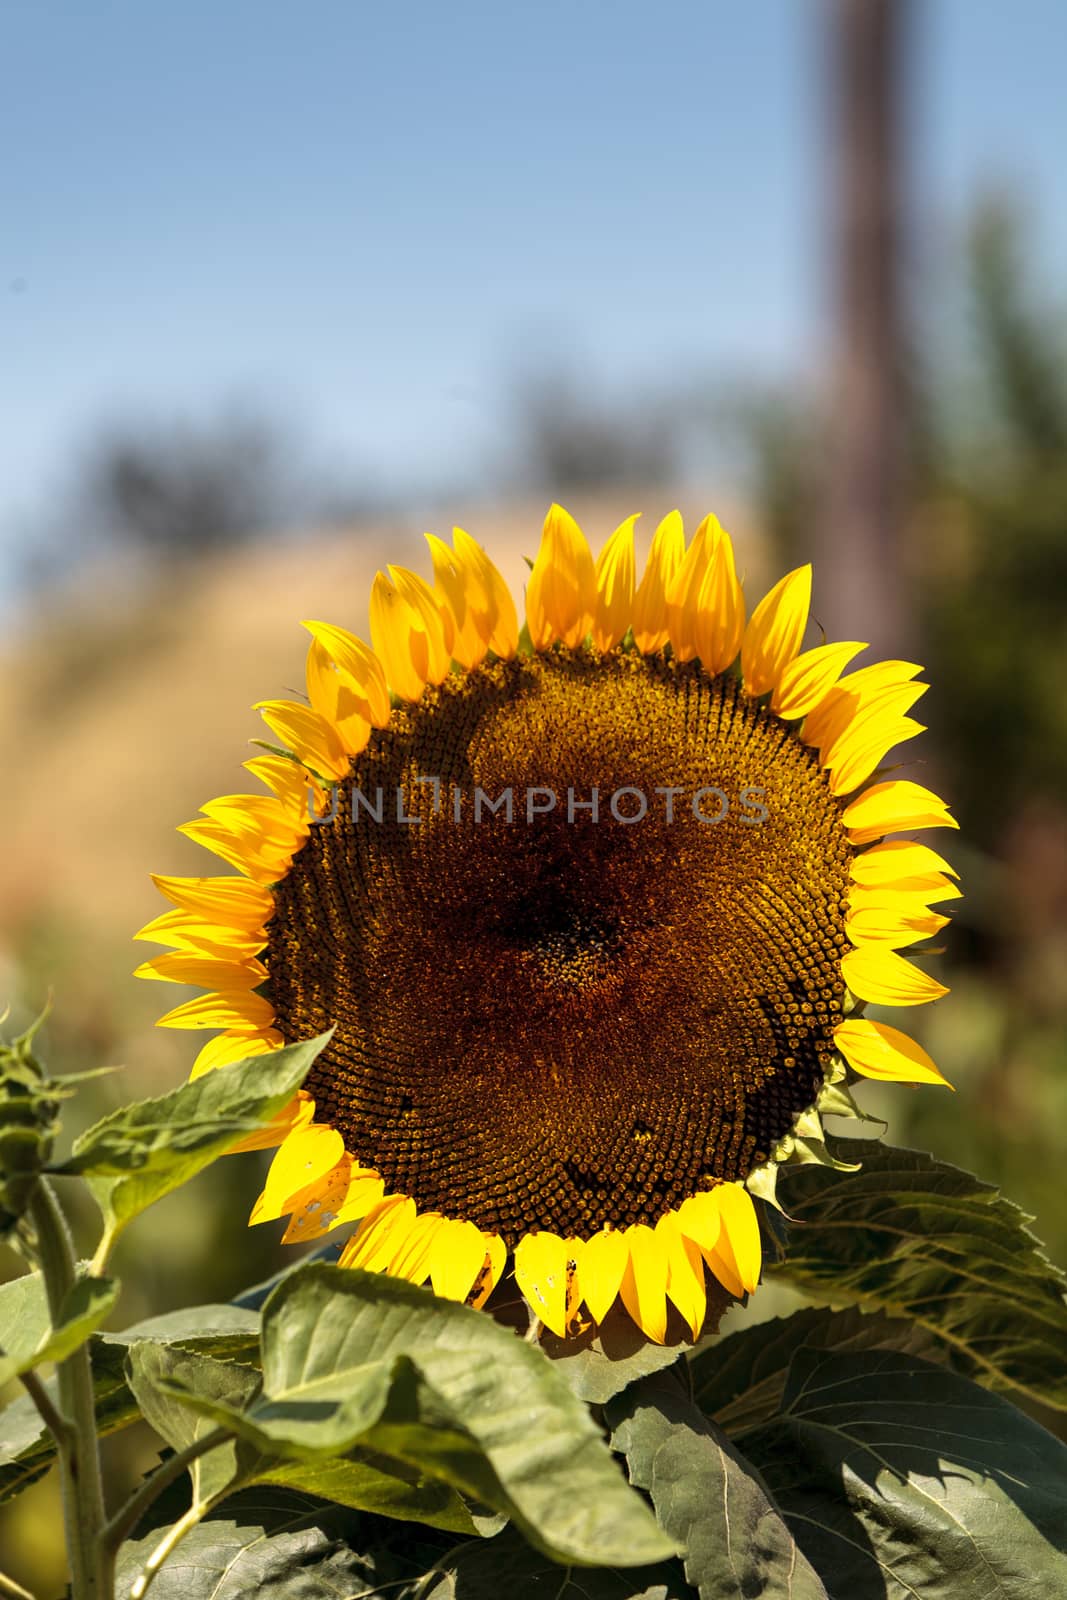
[575, 1019]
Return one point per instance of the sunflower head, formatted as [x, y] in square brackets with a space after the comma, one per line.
[594, 915]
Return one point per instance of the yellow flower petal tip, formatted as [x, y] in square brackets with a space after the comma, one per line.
[875, 1050]
[561, 595]
[774, 634]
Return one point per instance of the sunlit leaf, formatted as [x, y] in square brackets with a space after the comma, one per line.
[142, 1151]
[363, 1481]
[358, 1358]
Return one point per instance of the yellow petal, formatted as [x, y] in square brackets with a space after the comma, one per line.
[912, 897]
[496, 1259]
[262, 865]
[366, 1189]
[603, 1264]
[309, 736]
[237, 1011]
[853, 759]
[644, 1282]
[773, 636]
[739, 1242]
[467, 639]
[700, 1219]
[382, 1235]
[898, 859]
[359, 665]
[686, 1287]
[875, 1050]
[289, 780]
[541, 1274]
[400, 641]
[896, 806]
[306, 1156]
[886, 979]
[615, 574]
[413, 1259]
[491, 598]
[809, 679]
[854, 711]
[428, 641]
[203, 972]
[258, 817]
[720, 605]
[181, 930]
[882, 683]
[314, 1208]
[458, 1257]
[296, 1113]
[226, 1048]
[650, 601]
[684, 591]
[561, 594]
[333, 696]
[892, 925]
[926, 891]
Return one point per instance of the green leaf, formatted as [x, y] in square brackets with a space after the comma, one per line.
[740, 1379]
[387, 1487]
[196, 1327]
[150, 1367]
[140, 1152]
[901, 1479]
[269, 1542]
[707, 1497]
[363, 1481]
[507, 1566]
[27, 1449]
[361, 1358]
[917, 1239]
[27, 1337]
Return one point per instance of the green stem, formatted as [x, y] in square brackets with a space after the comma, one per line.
[170, 1540]
[57, 1425]
[126, 1519]
[8, 1586]
[79, 1458]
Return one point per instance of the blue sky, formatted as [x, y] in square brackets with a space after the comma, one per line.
[364, 217]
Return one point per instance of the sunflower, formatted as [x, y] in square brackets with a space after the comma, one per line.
[593, 909]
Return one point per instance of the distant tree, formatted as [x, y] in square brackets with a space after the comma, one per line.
[571, 439]
[186, 490]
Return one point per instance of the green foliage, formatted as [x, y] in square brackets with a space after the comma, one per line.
[915, 1238]
[27, 1335]
[707, 1497]
[355, 1358]
[901, 1479]
[739, 1380]
[143, 1151]
[339, 1431]
[507, 1566]
[268, 1542]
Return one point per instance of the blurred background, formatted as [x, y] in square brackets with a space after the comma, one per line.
[280, 288]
